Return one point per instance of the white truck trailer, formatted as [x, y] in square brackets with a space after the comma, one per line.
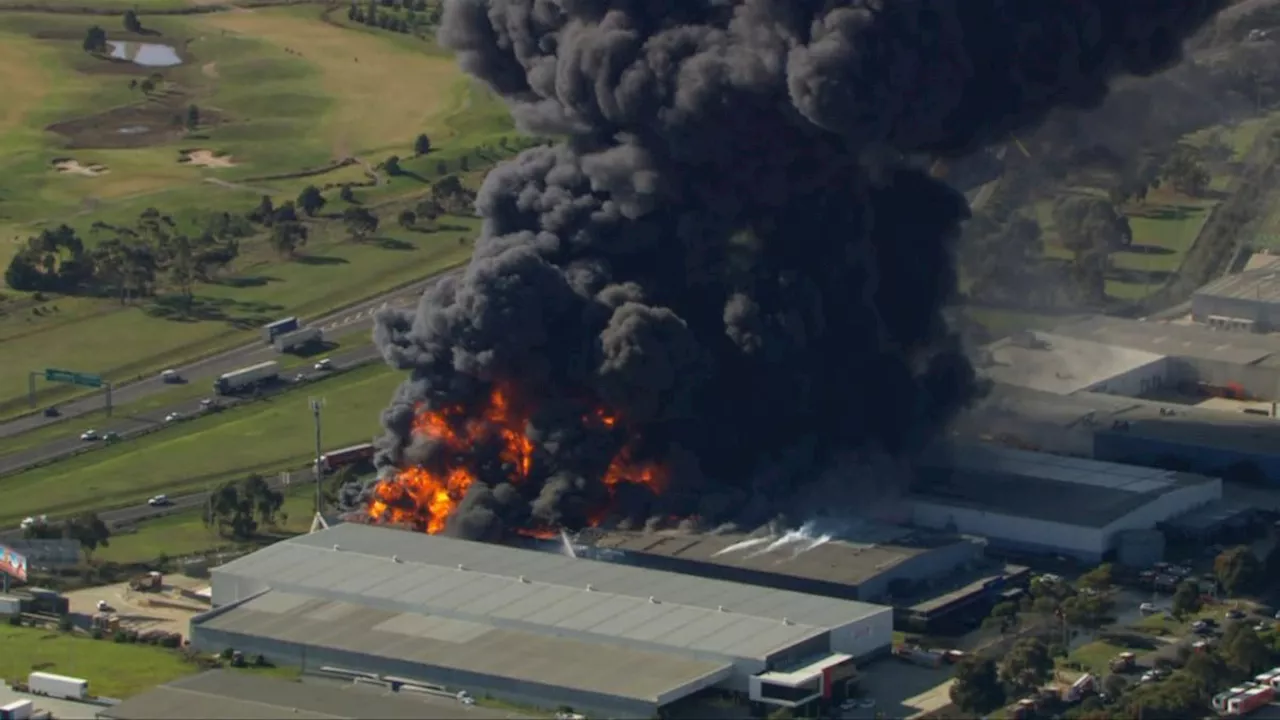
[17, 710]
[298, 338]
[248, 377]
[58, 686]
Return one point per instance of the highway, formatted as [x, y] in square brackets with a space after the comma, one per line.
[204, 371]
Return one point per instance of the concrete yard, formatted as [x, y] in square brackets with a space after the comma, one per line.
[902, 690]
[61, 709]
[141, 611]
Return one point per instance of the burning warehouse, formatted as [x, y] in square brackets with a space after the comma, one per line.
[537, 628]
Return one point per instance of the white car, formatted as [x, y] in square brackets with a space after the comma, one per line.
[158, 501]
[173, 417]
[103, 606]
[324, 364]
[1147, 608]
[89, 435]
[170, 376]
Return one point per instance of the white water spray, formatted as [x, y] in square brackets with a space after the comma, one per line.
[566, 545]
[800, 534]
[743, 545]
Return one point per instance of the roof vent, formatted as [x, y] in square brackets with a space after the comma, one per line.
[337, 547]
[786, 621]
[523, 579]
[653, 600]
[395, 558]
[590, 587]
[461, 566]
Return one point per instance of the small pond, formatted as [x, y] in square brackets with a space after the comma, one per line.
[145, 54]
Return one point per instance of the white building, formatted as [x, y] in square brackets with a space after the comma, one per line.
[1048, 503]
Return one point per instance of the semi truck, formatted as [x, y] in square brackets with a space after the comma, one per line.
[1249, 701]
[272, 330]
[248, 377]
[58, 686]
[298, 338]
[335, 459]
[17, 710]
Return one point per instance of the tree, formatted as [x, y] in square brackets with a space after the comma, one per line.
[392, 166]
[1087, 611]
[406, 219]
[311, 200]
[193, 117]
[287, 237]
[1185, 171]
[1238, 571]
[264, 213]
[977, 686]
[1244, 651]
[131, 22]
[95, 40]
[1114, 685]
[1186, 599]
[421, 145]
[347, 194]
[1100, 578]
[1004, 617]
[286, 213]
[264, 501]
[360, 222]
[147, 86]
[180, 262]
[90, 531]
[1027, 666]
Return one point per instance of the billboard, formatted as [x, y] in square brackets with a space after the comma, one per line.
[13, 564]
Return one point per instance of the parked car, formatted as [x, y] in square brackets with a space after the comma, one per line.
[1234, 615]
[1147, 608]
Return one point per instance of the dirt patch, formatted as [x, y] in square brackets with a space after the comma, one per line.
[210, 70]
[69, 166]
[132, 126]
[205, 158]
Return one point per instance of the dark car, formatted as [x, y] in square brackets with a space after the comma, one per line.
[52, 411]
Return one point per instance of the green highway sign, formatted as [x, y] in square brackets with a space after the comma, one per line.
[74, 378]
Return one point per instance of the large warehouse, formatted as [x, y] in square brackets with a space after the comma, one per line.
[532, 627]
[866, 563]
[1248, 301]
[1036, 502]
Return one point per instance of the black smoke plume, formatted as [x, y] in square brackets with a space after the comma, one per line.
[730, 248]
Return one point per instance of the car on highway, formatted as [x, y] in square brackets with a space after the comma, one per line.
[173, 417]
[324, 364]
[171, 376]
[52, 411]
[110, 437]
[89, 435]
[159, 501]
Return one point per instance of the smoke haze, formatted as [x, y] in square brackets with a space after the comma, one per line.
[727, 252]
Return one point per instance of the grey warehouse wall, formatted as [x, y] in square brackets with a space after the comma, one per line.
[935, 564]
[312, 658]
[1264, 313]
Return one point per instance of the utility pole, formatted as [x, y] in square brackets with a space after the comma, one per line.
[316, 404]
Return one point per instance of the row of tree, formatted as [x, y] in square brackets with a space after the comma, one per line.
[87, 529]
[238, 509]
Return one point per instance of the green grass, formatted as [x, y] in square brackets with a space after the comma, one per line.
[175, 395]
[113, 669]
[184, 533]
[264, 437]
[1096, 656]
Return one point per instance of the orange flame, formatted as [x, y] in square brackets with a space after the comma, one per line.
[426, 498]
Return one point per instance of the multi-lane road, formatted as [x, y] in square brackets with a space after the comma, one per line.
[346, 321]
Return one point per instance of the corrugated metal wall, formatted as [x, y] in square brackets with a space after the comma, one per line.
[1125, 447]
[313, 658]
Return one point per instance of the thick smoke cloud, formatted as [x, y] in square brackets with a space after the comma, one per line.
[729, 248]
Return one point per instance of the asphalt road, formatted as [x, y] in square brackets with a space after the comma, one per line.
[126, 425]
[204, 371]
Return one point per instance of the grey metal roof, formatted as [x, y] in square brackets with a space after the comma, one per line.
[861, 553]
[534, 591]
[1075, 491]
[1261, 285]
[1058, 363]
[241, 696]
[473, 647]
[1174, 340]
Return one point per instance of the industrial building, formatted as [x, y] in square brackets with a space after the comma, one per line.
[931, 579]
[227, 694]
[1037, 502]
[531, 627]
[1247, 301]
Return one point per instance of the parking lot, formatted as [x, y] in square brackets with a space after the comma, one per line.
[902, 690]
[141, 610]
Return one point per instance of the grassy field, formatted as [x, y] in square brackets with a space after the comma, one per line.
[263, 437]
[113, 669]
[282, 91]
[175, 395]
[1096, 656]
[184, 533]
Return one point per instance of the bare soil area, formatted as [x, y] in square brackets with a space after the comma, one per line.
[169, 610]
[206, 158]
[69, 166]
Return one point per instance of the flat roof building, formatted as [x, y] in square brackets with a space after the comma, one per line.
[241, 696]
[1049, 503]
[538, 628]
[1247, 301]
[1061, 364]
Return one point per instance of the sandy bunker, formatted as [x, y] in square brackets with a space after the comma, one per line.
[68, 166]
[205, 158]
